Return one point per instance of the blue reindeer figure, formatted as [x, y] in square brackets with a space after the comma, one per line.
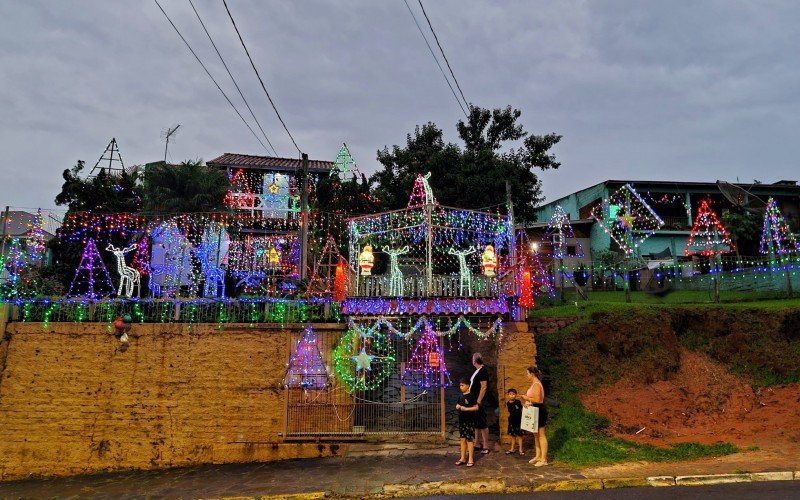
[214, 275]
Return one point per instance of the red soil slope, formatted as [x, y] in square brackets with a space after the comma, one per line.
[701, 402]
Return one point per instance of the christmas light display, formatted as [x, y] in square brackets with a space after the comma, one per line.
[431, 266]
[213, 275]
[129, 277]
[489, 261]
[708, 236]
[141, 259]
[35, 247]
[559, 232]
[394, 331]
[362, 363]
[91, 278]
[627, 218]
[426, 367]
[340, 281]
[15, 264]
[170, 261]
[777, 241]
[526, 290]
[436, 306]
[366, 261]
[464, 274]
[306, 368]
[344, 165]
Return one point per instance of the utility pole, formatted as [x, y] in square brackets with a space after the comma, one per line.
[5, 228]
[304, 218]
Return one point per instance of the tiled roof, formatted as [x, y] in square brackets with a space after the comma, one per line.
[17, 225]
[268, 162]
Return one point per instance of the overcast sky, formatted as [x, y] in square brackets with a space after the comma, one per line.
[679, 90]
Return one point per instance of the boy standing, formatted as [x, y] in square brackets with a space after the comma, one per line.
[466, 406]
[514, 406]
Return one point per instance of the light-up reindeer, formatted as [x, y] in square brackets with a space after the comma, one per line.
[214, 276]
[128, 276]
[396, 287]
[465, 275]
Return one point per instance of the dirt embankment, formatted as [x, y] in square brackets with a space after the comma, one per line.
[692, 375]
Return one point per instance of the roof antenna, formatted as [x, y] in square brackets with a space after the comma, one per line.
[166, 135]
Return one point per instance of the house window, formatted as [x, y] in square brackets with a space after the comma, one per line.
[571, 251]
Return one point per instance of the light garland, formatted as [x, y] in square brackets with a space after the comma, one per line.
[363, 363]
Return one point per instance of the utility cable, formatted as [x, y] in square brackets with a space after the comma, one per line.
[232, 78]
[259, 77]
[442, 51]
[435, 59]
[212, 78]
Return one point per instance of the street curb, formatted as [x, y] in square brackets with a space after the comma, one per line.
[498, 486]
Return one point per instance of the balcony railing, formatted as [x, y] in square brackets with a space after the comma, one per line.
[447, 285]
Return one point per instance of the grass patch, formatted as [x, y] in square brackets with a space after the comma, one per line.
[602, 450]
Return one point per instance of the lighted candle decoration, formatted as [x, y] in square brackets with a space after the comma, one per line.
[708, 236]
[426, 367]
[627, 218]
[306, 367]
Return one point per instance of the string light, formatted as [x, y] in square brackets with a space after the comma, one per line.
[306, 368]
[708, 236]
[627, 218]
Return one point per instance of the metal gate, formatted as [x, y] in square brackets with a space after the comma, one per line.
[391, 408]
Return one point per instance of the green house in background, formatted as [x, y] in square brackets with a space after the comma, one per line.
[675, 202]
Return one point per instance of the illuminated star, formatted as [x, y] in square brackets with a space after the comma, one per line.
[363, 361]
[273, 188]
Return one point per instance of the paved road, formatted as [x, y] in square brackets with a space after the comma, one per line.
[773, 490]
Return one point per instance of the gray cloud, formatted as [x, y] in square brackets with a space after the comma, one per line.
[680, 90]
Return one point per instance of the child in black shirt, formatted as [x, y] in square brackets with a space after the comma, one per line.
[514, 406]
[466, 406]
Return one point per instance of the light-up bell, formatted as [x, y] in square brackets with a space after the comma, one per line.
[366, 260]
[489, 261]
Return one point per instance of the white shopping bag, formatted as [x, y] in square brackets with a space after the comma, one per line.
[530, 419]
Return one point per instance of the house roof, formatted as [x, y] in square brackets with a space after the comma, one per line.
[18, 225]
[232, 160]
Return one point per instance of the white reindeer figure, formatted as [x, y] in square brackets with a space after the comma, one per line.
[465, 275]
[396, 287]
[128, 276]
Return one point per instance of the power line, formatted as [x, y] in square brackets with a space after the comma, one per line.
[442, 51]
[435, 58]
[259, 76]
[232, 78]
[212, 78]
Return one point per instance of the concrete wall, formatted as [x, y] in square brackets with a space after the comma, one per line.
[71, 401]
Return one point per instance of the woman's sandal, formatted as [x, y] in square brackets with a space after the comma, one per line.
[509, 452]
[485, 451]
[460, 462]
[470, 464]
[522, 453]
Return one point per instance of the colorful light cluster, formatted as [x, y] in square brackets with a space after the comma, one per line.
[426, 368]
[91, 278]
[393, 330]
[558, 233]
[627, 218]
[374, 306]
[708, 236]
[306, 368]
[777, 240]
[363, 363]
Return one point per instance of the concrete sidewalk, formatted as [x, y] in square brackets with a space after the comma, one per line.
[384, 474]
[354, 477]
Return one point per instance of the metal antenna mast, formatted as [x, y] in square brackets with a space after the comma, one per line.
[111, 154]
[166, 135]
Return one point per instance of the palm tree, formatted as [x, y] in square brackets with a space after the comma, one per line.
[186, 187]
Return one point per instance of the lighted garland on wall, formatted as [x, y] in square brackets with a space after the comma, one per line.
[363, 363]
[381, 323]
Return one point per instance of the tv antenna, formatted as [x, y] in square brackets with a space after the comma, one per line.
[168, 134]
[112, 155]
[742, 198]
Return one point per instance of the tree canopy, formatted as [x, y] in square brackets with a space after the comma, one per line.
[186, 187]
[473, 175]
[104, 193]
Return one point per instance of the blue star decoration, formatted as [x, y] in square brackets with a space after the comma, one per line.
[363, 361]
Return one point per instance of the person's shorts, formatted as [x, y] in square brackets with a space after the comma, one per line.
[480, 418]
[466, 431]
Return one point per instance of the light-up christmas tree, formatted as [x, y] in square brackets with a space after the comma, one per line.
[306, 367]
[777, 241]
[426, 368]
[559, 232]
[344, 164]
[36, 244]
[141, 259]
[91, 278]
[708, 236]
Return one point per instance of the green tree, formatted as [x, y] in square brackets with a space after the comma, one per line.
[103, 193]
[745, 230]
[473, 175]
[186, 187]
